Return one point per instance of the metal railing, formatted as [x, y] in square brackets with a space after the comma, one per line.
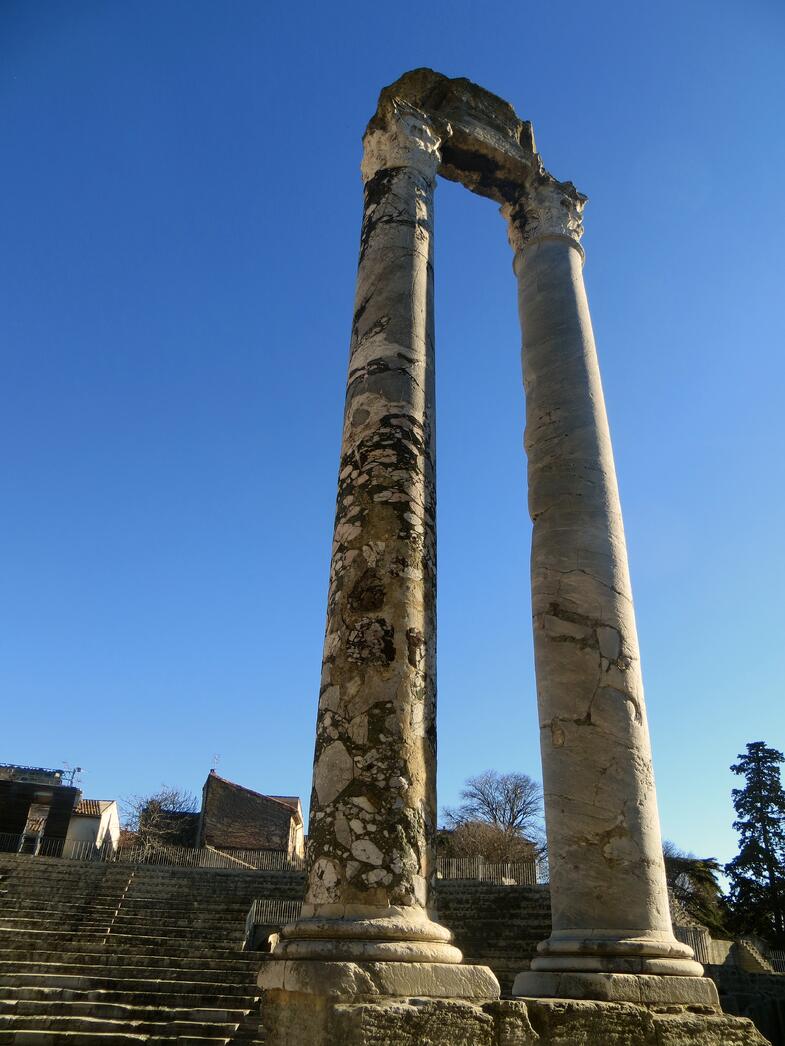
[508, 873]
[265, 917]
[776, 957]
[158, 854]
[698, 938]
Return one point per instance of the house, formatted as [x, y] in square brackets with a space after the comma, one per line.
[94, 823]
[35, 809]
[42, 814]
[237, 818]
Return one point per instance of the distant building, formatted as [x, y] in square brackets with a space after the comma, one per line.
[235, 817]
[93, 822]
[40, 813]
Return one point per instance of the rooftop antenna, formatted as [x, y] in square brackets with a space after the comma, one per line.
[215, 759]
[72, 775]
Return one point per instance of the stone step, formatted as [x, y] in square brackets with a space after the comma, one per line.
[160, 981]
[155, 906]
[54, 995]
[123, 954]
[174, 1028]
[226, 922]
[202, 891]
[85, 1038]
[162, 896]
[129, 943]
[131, 965]
[178, 932]
[181, 931]
[163, 1011]
[76, 955]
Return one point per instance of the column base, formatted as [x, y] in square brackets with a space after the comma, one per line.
[353, 933]
[311, 1003]
[641, 988]
[353, 980]
[616, 951]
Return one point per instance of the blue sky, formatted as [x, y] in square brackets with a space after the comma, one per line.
[180, 218]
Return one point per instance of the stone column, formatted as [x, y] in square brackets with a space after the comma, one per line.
[373, 805]
[608, 891]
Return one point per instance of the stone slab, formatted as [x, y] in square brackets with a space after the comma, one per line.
[645, 989]
[302, 1020]
[351, 980]
[592, 1023]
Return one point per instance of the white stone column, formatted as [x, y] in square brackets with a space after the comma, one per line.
[608, 891]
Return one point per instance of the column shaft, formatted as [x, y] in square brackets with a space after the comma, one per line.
[608, 890]
[373, 805]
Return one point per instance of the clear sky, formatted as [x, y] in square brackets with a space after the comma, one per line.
[179, 219]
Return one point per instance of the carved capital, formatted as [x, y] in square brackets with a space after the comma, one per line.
[403, 136]
[548, 210]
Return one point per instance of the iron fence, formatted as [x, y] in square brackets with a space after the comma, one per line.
[156, 853]
[266, 916]
[507, 873]
[698, 938]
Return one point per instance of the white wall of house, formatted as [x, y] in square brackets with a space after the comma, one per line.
[104, 829]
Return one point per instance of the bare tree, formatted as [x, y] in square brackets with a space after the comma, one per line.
[165, 818]
[480, 839]
[510, 802]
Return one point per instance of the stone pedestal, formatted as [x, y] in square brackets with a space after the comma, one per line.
[310, 1003]
[349, 1010]
[646, 989]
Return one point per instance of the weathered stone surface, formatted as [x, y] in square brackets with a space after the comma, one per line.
[568, 1023]
[412, 1023]
[309, 1020]
[351, 980]
[373, 805]
[647, 989]
[608, 891]
[373, 808]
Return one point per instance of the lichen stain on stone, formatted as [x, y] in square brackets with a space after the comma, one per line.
[415, 643]
[367, 594]
[371, 642]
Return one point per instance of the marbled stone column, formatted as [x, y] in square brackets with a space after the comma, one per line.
[608, 891]
[373, 805]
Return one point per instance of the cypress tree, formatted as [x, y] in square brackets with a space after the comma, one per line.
[757, 873]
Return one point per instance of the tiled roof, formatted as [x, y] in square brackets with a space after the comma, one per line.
[235, 816]
[292, 801]
[91, 807]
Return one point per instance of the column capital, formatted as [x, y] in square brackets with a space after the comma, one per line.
[547, 210]
[403, 136]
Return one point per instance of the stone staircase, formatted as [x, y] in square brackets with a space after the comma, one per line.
[114, 953]
[750, 958]
[496, 926]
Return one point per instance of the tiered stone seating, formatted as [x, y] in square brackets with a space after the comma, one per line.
[496, 926]
[115, 953]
